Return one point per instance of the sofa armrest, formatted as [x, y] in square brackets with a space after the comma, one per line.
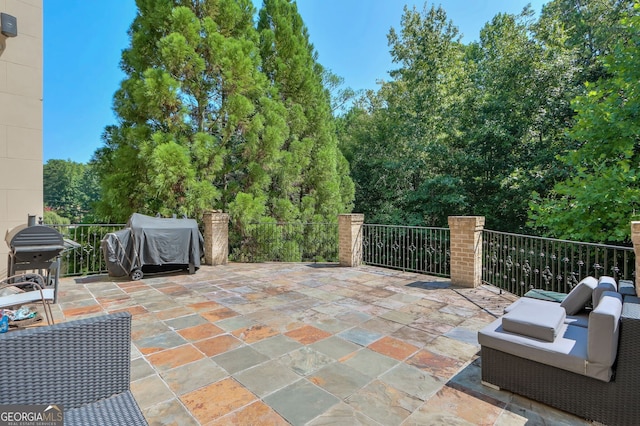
[72, 363]
[604, 329]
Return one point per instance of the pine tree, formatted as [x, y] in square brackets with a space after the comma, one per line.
[313, 182]
[200, 127]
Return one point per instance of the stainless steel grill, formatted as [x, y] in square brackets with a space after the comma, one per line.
[35, 247]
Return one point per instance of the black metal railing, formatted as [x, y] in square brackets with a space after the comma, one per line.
[519, 263]
[85, 256]
[513, 262]
[409, 248]
[284, 242]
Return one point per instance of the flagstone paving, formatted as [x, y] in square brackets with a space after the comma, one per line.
[306, 344]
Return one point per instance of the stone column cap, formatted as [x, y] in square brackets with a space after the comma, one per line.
[456, 220]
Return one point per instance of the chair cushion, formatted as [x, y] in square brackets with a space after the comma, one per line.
[579, 296]
[540, 321]
[604, 284]
[528, 301]
[581, 319]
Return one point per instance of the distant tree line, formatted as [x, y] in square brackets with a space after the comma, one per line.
[70, 191]
[534, 125]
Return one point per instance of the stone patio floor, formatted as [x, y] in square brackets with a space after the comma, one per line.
[306, 344]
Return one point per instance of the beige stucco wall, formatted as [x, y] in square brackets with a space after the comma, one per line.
[20, 120]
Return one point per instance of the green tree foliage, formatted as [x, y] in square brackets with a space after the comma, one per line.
[602, 194]
[312, 182]
[589, 28]
[209, 120]
[341, 97]
[518, 109]
[396, 138]
[220, 112]
[52, 218]
[475, 129]
[192, 98]
[70, 189]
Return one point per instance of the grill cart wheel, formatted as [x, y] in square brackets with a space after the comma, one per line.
[137, 274]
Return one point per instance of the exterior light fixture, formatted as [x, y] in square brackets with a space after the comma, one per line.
[8, 25]
[8, 28]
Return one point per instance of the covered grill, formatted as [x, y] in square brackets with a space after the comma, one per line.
[159, 244]
[34, 247]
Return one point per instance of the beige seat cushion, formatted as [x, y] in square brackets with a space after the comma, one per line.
[581, 319]
[540, 321]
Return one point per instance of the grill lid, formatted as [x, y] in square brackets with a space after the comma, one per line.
[36, 243]
[36, 235]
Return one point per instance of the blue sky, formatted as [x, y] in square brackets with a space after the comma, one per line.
[83, 40]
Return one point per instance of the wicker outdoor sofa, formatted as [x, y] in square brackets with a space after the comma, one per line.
[82, 365]
[609, 394]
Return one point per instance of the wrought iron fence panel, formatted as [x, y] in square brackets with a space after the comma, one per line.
[519, 263]
[87, 258]
[285, 242]
[409, 248]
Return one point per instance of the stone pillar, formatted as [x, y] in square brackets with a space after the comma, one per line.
[466, 250]
[350, 239]
[635, 238]
[216, 237]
